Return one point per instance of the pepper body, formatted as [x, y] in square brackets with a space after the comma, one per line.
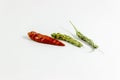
[84, 38]
[44, 39]
[66, 38]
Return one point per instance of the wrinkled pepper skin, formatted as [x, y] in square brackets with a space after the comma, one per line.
[66, 38]
[44, 39]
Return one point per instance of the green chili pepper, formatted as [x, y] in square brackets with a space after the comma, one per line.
[66, 38]
[84, 38]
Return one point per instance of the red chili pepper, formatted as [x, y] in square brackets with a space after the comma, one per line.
[44, 39]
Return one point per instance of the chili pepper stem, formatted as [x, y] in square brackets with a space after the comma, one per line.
[73, 26]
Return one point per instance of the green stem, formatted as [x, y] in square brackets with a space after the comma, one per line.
[73, 26]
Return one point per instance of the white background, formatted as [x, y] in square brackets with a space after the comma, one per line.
[24, 59]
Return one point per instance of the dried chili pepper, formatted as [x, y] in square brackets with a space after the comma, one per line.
[44, 39]
[84, 38]
[67, 38]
